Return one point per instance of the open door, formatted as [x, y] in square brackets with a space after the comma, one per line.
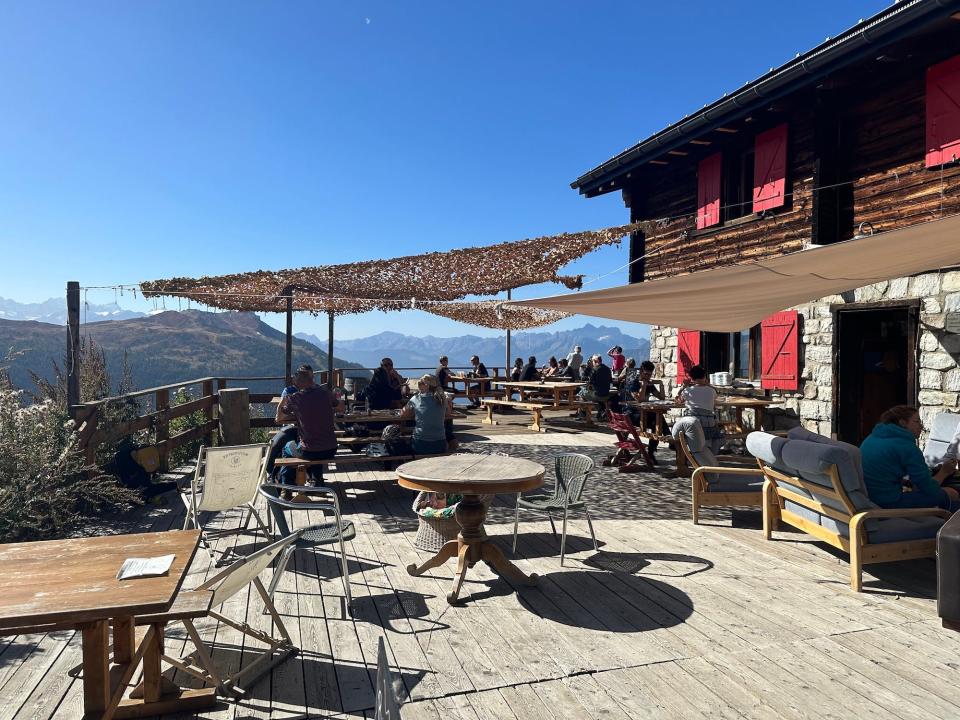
[875, 365]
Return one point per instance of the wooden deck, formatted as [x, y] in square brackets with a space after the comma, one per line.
[668, 620]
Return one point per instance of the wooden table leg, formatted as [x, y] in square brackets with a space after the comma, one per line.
[124, 640]
[96, 668]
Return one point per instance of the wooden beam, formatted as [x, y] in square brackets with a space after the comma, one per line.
[679, 153]
[330, 378]
[699, 142]
[726, 130]
[73, 345]
[659, 162]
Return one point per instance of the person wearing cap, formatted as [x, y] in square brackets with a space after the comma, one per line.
[286, 433]
[430, 410]
[479, 370]
[312, 409]
[575, 358]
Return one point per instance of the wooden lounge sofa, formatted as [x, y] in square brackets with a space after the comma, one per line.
[816, 485]
[536, 410]
[713, 483]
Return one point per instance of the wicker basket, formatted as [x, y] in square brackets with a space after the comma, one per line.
[433, 532]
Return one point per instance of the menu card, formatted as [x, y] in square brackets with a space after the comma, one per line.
[145, 567]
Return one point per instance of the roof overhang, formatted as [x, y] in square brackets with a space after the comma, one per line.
[849, 47]
[739, 296]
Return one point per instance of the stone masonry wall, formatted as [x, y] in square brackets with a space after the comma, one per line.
[939, 352]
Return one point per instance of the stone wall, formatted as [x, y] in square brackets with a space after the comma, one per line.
[939, 351]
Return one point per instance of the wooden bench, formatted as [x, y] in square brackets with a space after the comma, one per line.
[535, 408]
[588, 408]
[301, 464]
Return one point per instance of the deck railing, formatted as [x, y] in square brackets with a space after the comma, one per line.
[154, 411]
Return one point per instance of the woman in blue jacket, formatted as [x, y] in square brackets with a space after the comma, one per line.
[890, 454]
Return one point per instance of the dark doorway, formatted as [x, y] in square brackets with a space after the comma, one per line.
[874, 365]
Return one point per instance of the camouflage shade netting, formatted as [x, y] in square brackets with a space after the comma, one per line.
[378, 284]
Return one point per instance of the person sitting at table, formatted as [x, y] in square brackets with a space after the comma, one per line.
[385, 389]
[641, 387]
[564, 371]
[517, 370]
[312, 409]
[890, 454]
[286, 433]
[550, 369]
[699, 399]
[629, 368]
[479, 370]
[430, 410]
[617, 359]
[530, 371]
[598, 389]
[443, 373]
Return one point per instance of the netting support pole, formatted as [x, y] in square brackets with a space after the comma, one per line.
[506, 365]
[330, 380]
[73, 346]
[289, 363]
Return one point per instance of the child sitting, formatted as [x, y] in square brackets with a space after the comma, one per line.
[699, 399]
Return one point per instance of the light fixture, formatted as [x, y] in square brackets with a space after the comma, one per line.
[865, 225]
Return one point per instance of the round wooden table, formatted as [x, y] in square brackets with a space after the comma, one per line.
[472, 476]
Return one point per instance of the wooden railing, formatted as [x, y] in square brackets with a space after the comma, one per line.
[154, 411]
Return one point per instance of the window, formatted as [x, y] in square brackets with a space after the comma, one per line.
[737, 353]
[738, 184]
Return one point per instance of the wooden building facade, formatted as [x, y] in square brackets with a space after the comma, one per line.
[860, 135]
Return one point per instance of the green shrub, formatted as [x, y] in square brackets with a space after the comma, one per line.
[44, 488]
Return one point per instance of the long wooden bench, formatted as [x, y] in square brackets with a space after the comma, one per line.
[588, 407]
[301, 464]
[536, 410]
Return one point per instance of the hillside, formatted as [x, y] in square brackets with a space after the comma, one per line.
[162, 349]
[409, 351]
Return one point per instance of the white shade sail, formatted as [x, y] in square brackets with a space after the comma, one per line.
[739, 296]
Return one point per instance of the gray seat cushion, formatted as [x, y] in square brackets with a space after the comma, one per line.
[768, 448]
[943, 439]
[902, 529]
[704, 456]
[737, 483]
[800, 433]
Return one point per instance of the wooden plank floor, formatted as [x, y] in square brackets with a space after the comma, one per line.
[667, 620]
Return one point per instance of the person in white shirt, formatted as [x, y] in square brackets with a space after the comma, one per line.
[575, 358]
[699, 400]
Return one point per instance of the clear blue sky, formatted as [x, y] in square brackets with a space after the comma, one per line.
[142, 140]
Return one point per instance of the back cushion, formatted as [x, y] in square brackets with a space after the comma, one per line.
[692, 431]
[767, 447]
[942, 442]
[799, 433]
[812, 461]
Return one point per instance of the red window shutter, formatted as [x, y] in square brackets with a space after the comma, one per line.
[770, 169]
[708, 191]
[688, 352]
[943, 112]
[779, 351]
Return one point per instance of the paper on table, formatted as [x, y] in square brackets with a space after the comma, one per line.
[145, 567]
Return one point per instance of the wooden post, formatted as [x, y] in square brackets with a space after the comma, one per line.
[209, 412]
[73, 345]
[235, 416]
[330, 378]
[161, 405]
[507, 366]
[289, 364]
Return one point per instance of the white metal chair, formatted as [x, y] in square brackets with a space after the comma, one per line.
[387, 707]
[223, 586]
[226, 478]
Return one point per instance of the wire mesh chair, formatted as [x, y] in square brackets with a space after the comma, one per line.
[226, 478]
[328, 532]
[571, 470]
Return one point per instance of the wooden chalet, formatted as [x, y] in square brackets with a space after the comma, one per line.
[859, 135]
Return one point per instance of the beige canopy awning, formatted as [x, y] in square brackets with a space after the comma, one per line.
[739, 296]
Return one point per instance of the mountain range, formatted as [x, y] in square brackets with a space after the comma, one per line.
[162, 349]
[408, 351]
[54, 311]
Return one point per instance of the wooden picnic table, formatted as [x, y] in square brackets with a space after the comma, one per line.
[472, 476]
[72, 584]
[563, 392]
